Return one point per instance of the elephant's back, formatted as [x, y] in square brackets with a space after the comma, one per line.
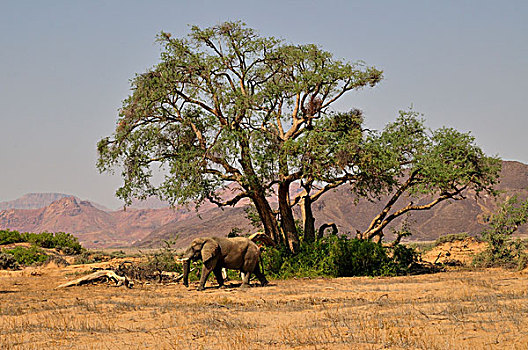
[239, 253]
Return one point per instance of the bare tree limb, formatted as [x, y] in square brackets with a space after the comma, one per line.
[98, 276]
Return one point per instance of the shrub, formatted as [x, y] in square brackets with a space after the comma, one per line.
[68, 243]
[27, 255]
[44, 239]
[8, 261]
[8, 237]
[65, 242]
[403, 258]
[89, 257]
[502, 250]
[338, 256]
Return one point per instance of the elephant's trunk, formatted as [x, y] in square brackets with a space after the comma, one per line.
[186, 269]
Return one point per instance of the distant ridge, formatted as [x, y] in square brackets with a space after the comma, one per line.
[32, 201]
[39, 200]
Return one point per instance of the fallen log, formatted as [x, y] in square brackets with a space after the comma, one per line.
[98, 276]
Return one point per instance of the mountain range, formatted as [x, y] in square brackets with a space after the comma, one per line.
[149, 223]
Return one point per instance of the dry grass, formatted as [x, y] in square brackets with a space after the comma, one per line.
[453, 310]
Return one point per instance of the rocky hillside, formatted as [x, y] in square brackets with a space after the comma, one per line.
[94, 227]
[148, 227]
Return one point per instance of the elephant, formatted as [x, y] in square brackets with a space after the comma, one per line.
[237, 253]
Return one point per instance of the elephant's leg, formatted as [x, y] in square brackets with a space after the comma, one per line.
[245, 279]
[260, 276]
[186, 269]
[203, 277]
[218, 272]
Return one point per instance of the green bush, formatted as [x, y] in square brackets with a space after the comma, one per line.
[8, 237]
[338, 256]
[44, 239]
[27, 255]
[502, 250]
[65, 242]
[68, 243]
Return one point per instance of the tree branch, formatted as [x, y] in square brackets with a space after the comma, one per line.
[371, 232]
[232, 202]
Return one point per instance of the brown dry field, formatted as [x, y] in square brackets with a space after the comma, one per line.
[464, 309]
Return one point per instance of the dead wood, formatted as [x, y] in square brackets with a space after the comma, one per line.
[98, 276]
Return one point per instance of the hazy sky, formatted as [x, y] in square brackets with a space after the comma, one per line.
[65, 68]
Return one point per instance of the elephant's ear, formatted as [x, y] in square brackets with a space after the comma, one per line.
[209, 250]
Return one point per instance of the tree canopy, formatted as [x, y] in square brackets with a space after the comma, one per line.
[228, 114]
[227, 106]
[408, 160]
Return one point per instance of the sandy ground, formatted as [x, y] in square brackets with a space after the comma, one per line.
[464, 309]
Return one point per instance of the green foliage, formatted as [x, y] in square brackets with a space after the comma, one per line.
[253, 216]
[163, 260]
[407, 159]
[226, 105]
[205, 104]
[406, 155]
[338, 256]
[65, 242]
[44, 239]
[502, 250]
[27, 256]
[8, 237]
[403, 258]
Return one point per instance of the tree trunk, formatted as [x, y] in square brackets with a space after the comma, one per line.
[307, 218]
[256, 190]
[271, 227]
[287, 220]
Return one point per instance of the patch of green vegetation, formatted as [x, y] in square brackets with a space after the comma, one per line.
[502, 250]
[9, 237]
[338, 256]
[27, 255]
[65, 242]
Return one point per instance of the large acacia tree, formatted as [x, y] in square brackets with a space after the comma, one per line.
[226, 106]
